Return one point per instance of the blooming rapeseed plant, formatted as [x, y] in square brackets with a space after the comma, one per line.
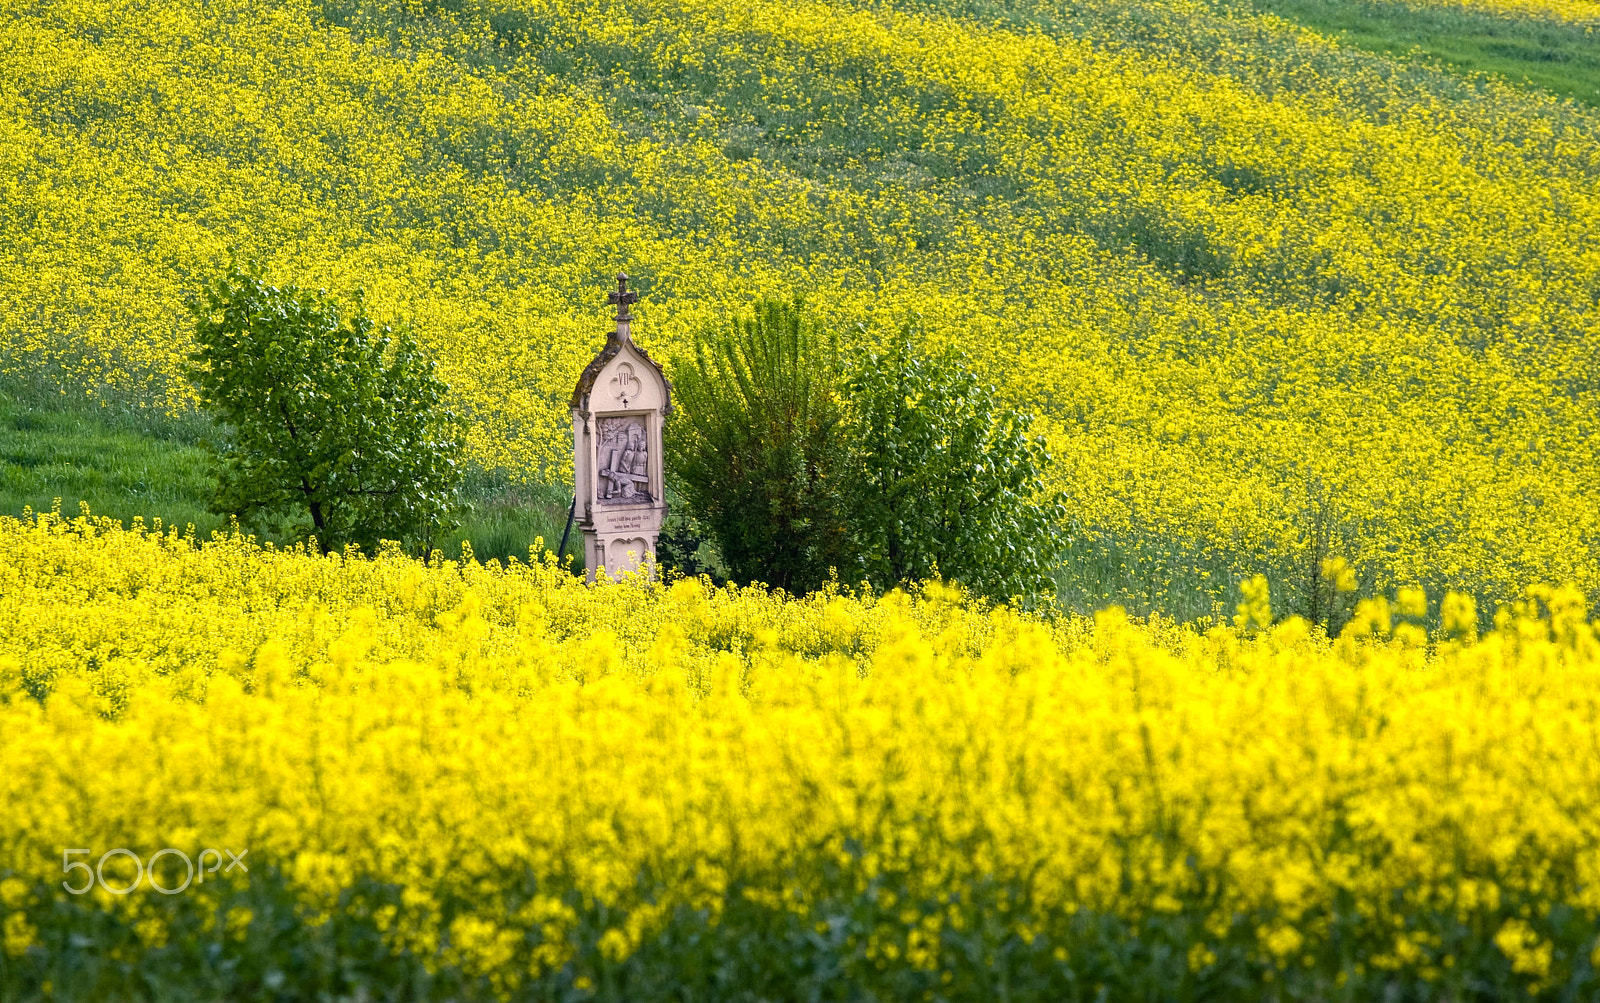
[494, 781]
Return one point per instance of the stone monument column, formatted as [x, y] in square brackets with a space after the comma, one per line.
[618, 408]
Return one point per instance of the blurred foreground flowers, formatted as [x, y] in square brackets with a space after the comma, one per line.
[474, 781]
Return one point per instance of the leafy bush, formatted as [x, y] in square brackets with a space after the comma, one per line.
[893, 470]
[327, 419]
[944, 479]
[756, 453]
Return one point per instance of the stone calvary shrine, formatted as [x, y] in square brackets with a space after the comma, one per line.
[618, 408]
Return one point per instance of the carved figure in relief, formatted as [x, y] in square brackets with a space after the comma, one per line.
[624, 461]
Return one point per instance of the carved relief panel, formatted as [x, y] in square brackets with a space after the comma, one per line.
[623, 459]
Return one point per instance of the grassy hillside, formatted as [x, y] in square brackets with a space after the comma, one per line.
[1275, 298]
[50, 455]
[142, 466]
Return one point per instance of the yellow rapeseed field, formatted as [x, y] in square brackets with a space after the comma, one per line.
[1280, 306]
[1274, 300]
[498, 782]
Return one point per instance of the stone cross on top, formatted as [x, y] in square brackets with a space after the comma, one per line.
[618, 408]
[622, 298]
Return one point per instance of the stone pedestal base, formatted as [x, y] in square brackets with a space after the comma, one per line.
[619, 555]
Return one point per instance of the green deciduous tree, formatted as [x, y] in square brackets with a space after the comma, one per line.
[943, 478]
[333, 426]
[756, 450]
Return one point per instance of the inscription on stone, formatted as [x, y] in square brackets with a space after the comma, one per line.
[621, 521]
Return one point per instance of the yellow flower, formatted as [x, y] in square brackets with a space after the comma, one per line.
[17, 934]
[1528, 953]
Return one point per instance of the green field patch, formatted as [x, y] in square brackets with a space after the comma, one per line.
[130, 467]
[1561, 58]
[50, 456]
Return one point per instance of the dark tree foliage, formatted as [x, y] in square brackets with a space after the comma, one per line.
[333, 427]
[944, 480]
[756, 450]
